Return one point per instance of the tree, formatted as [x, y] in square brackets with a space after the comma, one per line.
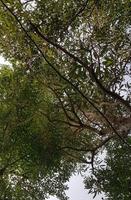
[30, 154]
[113, 178]
[70, 65]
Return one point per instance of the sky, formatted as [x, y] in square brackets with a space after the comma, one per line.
[76, 187]
[76, 190]
[3, 61]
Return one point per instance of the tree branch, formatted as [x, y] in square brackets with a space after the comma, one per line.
[89, 68]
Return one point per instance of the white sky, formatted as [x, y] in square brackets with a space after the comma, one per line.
[76, 190]
[3, 61]
[76, 187]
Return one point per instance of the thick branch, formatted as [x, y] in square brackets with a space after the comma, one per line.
[110, 93]
[89, 68]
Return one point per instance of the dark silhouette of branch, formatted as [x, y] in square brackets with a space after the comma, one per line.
[73, 109]
[78, 13]
[28, 1]
[107, 91]
[62, 121]
[89, 68]
[82, 160]
[54, 44]
[64, 110]
[75, 149]
[94, 149]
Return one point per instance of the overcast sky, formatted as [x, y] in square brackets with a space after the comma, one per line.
[3, 61]
[76, 190]
[76, 187]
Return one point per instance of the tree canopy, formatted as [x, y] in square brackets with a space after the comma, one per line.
[65, 97]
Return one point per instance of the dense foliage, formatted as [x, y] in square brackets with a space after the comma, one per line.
[65, 97]
[113, 176]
